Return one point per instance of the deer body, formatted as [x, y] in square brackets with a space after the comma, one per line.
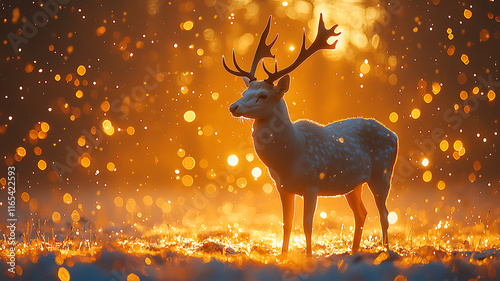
[309, 159]
[335, 158]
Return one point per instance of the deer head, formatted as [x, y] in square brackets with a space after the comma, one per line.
[261, 97]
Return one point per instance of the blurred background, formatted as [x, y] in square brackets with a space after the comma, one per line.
[115, 113]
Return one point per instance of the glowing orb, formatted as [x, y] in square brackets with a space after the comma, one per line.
[232, 160]
[256, 172]
[392, 217]
[189, 116]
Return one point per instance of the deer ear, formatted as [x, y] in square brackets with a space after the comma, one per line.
[283, 85]
[246, 81]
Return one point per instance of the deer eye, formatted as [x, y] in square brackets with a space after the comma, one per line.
[263, 96]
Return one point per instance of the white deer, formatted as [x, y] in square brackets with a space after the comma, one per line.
[309, 159]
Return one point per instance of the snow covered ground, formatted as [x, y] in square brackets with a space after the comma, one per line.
[217, 262]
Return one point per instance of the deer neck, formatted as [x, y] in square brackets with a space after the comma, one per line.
[274, 137]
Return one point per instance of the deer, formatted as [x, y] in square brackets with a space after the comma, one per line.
[309, 159]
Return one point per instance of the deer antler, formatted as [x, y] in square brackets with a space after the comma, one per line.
[320, 43]
[263, 51]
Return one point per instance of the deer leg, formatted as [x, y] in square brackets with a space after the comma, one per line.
[288, 204]
[380, 190]
[359, 210]
[383, 220]
[310, 200]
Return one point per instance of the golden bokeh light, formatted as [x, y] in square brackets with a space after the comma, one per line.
[133, 277]
[465, 59]
[491, 95]
[63, 274]
[44, 126]
[232, 160]
[188, 163]
[364, 68]
[130, 130]
[166, 208]
[67, 198]
[131, 205]
[189, 116]
[267, 188]
[428, 98]
[56, 217]
[458, 145]
[25, 197]
[211, 188]
[250, 157]
[187, 180]
[118, 201]
[467, 13]
[415, 113]
[81, 141]
[21, 151]
[108, 127]
[393, 79]
[111, 166]
[241, 182]
[181, 152]
[436, 88]
[323, 215]
[85, 162]
[392, 218]
[444, 145]
[79, 94]
[75, 216]
[147, 200]
[427, 176]
[476, 166]
[472, 177]
[42, 165]
[188, 25]
[463, 95]
[81, 70]
[105, 106]
[441, 185]
[101, 30]
[256, 172]
[393, 117]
